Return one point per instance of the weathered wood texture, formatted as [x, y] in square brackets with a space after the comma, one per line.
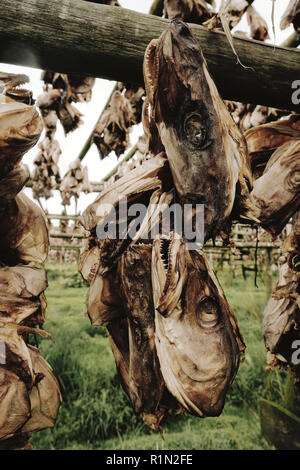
[109, 42]
[96, 187]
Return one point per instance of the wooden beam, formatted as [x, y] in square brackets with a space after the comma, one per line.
[96, 187]
[61, 217]
[109, 42]
[66, 235]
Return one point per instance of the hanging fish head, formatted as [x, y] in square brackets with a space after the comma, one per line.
[197, 337]
[206, 151]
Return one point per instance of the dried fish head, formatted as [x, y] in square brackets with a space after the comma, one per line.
[206, 151]
[20, 129]
[197, 336]
[11, 86]
[9, 81]
[277, 192]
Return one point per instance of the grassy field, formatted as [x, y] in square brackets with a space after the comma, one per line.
[96, 413]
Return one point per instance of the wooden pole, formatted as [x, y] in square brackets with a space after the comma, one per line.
[110, 42]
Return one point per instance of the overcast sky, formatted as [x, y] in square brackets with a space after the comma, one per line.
[72, 144]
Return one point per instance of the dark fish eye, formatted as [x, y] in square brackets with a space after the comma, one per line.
[208, 312]
[195, 129]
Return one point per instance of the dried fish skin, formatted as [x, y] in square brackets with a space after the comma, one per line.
[80, 87]
[197, 336]
[9, 81]
[69, 116]
[112, 131]
[258, 26]
[263, 140]
[206, 151]
[281, 320]
[8, 86]
[235, 10]
[24, 234]
[117, 332]
[89, 261]
[46, 173]
[20, 129]
[146, 178]
[23, 281]
[276, 193]
[74, 182]
[280, 313]
[12, 184]
[45, 396]
[18, 359]
[291, 15]
[146, 384]
[191, 11]
[103, 299]
[15, 404]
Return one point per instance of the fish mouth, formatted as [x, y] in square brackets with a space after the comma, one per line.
[12, 86]
[171, 271]
[11, 81]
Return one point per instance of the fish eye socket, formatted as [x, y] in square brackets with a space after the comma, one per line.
[295, 180]
[195, 129]
[208, 313]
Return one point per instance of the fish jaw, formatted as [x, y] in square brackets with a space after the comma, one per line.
[206, 151]
[197, 339]
[169, 273]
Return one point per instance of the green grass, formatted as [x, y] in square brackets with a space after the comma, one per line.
[96, 413]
